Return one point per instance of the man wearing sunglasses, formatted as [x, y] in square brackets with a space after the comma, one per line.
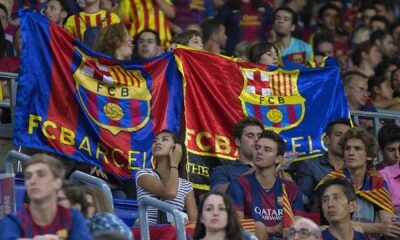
[305, 229]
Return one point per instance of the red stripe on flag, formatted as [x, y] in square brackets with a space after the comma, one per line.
[291, 113]
[125, 80]
[133, 79]
[88, 22]
[60, 110]
[278, 84]
[257, 111]
[98, 21]
[273, 84]
[136, 116]
[135, 14]
[290, 85]
[116, 75]
[92, 104]
[285, 93]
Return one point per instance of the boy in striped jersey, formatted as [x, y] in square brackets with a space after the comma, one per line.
[43, 218]
[92, 18]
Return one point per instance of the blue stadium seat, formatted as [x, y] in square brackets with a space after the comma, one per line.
[127, 210]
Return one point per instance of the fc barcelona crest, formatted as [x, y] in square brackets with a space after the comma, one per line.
[272, 97]
[114, 98]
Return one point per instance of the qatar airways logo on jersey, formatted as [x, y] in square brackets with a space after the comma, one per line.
[269, 214]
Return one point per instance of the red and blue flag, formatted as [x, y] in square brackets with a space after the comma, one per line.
[89, 107]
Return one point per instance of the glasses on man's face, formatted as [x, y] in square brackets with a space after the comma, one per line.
[303, 233]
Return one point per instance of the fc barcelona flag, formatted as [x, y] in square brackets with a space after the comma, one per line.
[295, 102]
[84, 105]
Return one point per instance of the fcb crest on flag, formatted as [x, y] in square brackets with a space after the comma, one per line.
[115, 99]
[273, 97]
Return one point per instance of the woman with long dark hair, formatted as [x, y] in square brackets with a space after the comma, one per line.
[164, 182]
[217, 219]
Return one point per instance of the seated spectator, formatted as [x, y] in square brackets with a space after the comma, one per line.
[311, 171]
[241, 51]
[86, 25]
[366, 57]
[385, 43]
[323, 42]
[57, 11]
[263, 53]
[395, 77]
[217, 218]
[373, 199]
[115, 41]
[246, 133]
[356, 89]
[338, 200]
[42, 216]
[72, 195]
[367, 12]
[189, 38]
[164, 182]
[146, 45]
[304, 228]
[391, 174]
[214, 36]
[382, 93]
[290, 48]
[389, 144]
[260, 195]
[97, 202]
[379, 23]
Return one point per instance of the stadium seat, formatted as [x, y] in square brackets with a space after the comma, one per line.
[127, 210]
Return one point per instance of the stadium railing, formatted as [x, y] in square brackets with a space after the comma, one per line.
[13, 156]
[146, 202]
[376, 117]
[6, 130]
[78, 176]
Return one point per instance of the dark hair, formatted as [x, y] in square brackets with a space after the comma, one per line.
[386, 3]
[387, 134]
[75, 193]
[289, 10]
[378, 35]
[347, 188]
[210, 27]
[184, 37]
[245, 122]
[380, 18]
[348, 76]
[276, 138]
[363, 47]
[371, 146]
[135, 54]
[375, 81]
[233, 228]
[258, 49]
[326, 7]
[331, 124]
[322, 37]
[177, 140]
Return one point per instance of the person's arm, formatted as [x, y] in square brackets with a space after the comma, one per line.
[191, 207]
[219, 179]
[168, 189]
[167, 8]
[387, 226]
[388, 103]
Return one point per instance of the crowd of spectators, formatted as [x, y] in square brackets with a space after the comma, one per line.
[351, 197]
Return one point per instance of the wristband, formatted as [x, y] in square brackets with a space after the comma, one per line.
[173, 167]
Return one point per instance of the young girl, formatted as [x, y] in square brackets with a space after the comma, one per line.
[164, 182]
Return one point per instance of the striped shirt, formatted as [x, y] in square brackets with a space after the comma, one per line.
[145, 14]
[79, 22]
[184, 188]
